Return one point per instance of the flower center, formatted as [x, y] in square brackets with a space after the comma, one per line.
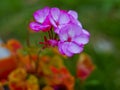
[69, 39]
[57, 23]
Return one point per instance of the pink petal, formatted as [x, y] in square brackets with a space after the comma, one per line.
[75, 21]
[74, 28]
[57, 29]
[86, 32]
[73, 13]
[82, 39]
[37, 27]
[52, 21]
[40, 15]
[63, 37]
[47, 21]
[78, 23]
[60, 47]
[74, 48]
[63, 33]
[71, 32]
[65, 47]
[55, 12]
[64, 18]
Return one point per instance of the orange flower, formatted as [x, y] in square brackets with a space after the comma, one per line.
[27, 61]
[84, 66]
[17, 79]
[13, 45]
[18, 75]
[62, 76]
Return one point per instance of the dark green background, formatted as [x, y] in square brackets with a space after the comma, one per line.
[100, 17]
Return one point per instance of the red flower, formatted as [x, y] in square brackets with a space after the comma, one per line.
[84, 66]
[62, 76]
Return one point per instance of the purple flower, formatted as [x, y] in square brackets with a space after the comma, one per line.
[64, 30]
[72, 39]
[41, 18]
[58, 18]
[53, 17]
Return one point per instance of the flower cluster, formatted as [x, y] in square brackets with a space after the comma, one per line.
[21, 69]
[70, 37]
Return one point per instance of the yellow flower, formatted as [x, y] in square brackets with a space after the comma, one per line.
[17, 75]
[32, 83]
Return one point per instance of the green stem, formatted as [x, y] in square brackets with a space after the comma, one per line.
[82, 85]
[79, 84]
[49, 35]
[28, 38]
[38, 60]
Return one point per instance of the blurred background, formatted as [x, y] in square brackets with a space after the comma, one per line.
[100, 17]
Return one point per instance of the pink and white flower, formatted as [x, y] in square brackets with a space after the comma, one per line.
[58, 18]
[41, 18]
[72, 39]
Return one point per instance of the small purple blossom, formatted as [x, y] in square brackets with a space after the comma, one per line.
[58, 18]
[72, 39]
[41, 20]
